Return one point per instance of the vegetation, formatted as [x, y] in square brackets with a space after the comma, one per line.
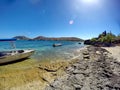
[109, 37]
[104, 39]
[94, 40]
[118, 37]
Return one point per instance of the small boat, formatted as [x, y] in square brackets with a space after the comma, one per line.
[9, 56]
[79, 43]
[14, 55]
[57, 44]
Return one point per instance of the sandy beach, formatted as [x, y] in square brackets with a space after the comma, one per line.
[115, 51]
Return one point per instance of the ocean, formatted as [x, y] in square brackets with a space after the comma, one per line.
[44, 49]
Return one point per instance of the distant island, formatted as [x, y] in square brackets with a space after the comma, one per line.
[104, 39]
[49, 38]
[22, 38]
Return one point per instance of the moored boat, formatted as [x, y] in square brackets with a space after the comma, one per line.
[56, 45]
[14, 55]
[9, 56]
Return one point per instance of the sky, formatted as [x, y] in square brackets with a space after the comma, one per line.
[59, 18]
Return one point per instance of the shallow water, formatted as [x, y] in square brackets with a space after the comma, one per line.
[45, 50]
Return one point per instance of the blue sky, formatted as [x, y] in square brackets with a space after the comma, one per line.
[57, 18]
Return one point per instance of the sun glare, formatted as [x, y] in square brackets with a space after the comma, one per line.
[90, 1]
[71, 22]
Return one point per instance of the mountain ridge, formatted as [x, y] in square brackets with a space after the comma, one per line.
[49, 38]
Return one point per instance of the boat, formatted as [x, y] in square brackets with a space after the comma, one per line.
[14, 55]
[57, 44]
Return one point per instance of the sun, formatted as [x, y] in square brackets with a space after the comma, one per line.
[90, 1]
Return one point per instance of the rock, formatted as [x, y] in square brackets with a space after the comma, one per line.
[67, 88]
[77, 71]
[77, 79]
[105, 53]
[82, 65]
[70, 70]
[49, 88]
[86, 56]
[88, 42]
[98, 52]
[85, 52]
[101, 73]
[57, 84]
[77, 87]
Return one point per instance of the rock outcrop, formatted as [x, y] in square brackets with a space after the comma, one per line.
[98, 70]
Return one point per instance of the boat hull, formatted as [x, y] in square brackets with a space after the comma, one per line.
[15, 57]
[56, 45]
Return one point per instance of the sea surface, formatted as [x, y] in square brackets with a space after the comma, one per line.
[44, 49]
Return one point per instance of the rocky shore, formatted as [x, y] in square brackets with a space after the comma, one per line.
[95, 69]
[98, 70]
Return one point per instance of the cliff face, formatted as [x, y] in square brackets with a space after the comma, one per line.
[56, 39]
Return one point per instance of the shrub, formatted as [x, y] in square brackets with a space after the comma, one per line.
[94, 39]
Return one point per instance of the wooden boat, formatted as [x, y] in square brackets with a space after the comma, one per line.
[56, 45]
[9, 56]
[14, 55]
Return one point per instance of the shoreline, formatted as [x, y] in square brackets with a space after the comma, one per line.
[42, 75]
[29, 74]
[97, 71]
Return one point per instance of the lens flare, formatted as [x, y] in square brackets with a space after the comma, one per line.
[71, 22]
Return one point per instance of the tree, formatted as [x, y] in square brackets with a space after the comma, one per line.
[102, 35]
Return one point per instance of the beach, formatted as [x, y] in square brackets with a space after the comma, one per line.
[33, 74]
[93, 65]
[42, 67]
[115, 51]
[96, 71]
[60, 45]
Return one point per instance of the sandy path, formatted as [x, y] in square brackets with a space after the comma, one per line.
[115, 51]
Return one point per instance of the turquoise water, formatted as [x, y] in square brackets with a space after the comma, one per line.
[44, 49]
